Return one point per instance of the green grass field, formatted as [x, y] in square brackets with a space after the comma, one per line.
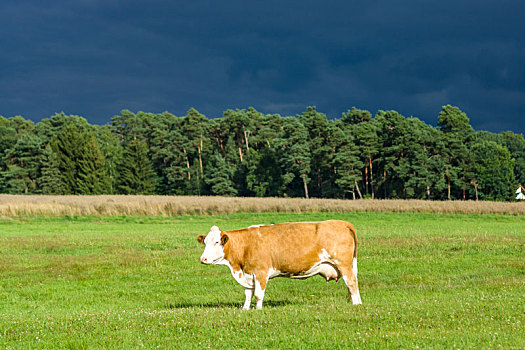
[426, 280]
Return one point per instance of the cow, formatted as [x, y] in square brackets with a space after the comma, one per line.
[298, 250]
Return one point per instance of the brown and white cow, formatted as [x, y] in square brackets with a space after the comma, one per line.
[297, 250]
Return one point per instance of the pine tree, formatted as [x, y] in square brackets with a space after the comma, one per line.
[23, 165]
[80, 161]
[50, 181]
[391, 127]
[321, 151]
[112, 152]
[136, 171]
[368, 141]
[453, 120]
[195, 127]
[293, 149]
[166, 154]
[516, 145]
[219, 176]
[494, 170]
[263, 176]
[66, 145]
[92, 175]
[7, 135]
[356, 116]
[7, 139]
[238, 126]
[347, 163]
[420, 147]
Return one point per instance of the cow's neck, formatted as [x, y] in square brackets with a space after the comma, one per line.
[234, 251]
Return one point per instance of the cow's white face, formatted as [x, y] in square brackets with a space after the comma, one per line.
[214, 246]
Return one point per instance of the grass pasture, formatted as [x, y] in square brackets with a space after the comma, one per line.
[427, 280]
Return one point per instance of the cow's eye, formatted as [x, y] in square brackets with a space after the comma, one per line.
[216, 243]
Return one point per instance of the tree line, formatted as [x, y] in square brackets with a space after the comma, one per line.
[247, 153]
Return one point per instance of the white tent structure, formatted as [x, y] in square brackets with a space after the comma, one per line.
[521, 193]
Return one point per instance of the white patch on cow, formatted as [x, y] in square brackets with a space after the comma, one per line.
[242, 278]
[259, 225]
[248, 295]
[255, 226]
[273, 273]
[324, 255]
[259, 294]
[354, 266]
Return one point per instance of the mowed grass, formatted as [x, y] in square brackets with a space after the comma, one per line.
[427, 280]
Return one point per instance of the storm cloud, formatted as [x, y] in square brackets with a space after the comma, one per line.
[95, 58]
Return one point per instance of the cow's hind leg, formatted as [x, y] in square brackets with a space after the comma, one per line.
[351, 283]
[248, 295]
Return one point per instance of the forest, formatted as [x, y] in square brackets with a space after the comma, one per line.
[247, 153]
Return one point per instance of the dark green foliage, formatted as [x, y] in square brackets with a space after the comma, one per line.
[516, 146]
[319, 131]
[367, 139]
[454, 149]
[421, 179]
[166, 152]
[293, 149]
[7, 134]
[392, 166]
[219, 176]
[21, 125]
[22, 163]
[347, 162]
[65, 145]
[493, 169]
[263, 176]
[7, 139]
[80, 161]
[453, 120]
[513, 142]
[50, 181]
[356, 116]
[112, 152]
[136, 175]
[92, 175]
[247, 153]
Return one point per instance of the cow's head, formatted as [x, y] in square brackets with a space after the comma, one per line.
[214, 243]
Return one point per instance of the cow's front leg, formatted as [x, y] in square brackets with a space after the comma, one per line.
[260, 287]
[248, 295]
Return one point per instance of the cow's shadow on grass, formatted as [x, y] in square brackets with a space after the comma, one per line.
[225, 304]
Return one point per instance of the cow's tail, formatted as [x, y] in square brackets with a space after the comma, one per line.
[354, 260]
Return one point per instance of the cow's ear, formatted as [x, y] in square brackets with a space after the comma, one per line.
[224, 239]
[200, 239]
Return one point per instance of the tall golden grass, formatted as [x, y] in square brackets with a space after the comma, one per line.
[50, 206]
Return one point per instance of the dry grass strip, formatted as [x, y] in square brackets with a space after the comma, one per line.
[167, 206]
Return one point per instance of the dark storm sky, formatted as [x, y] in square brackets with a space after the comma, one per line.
[96, 57]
